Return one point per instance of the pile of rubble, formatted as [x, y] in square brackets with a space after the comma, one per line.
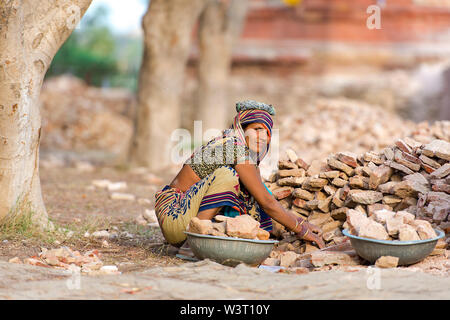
[388, 225]
[408, 176]
[67, 259]
[239, 227]
[78, 117]
[330, 125]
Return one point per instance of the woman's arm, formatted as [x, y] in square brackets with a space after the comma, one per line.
[250, 177]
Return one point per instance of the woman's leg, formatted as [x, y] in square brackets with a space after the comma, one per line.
[203, 199]
[208, 214]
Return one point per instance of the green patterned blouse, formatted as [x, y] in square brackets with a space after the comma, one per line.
[218, 152]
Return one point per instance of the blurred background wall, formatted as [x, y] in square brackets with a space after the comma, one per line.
[291, 54]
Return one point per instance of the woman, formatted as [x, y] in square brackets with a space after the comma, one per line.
[222, 176]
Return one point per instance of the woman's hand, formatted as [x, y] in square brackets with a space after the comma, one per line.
[307, 232]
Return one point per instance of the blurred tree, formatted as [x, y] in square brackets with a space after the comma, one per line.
[90, 52]
[167, 28]
[31, 34]
[220, 26]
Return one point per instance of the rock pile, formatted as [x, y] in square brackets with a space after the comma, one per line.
[407, 176]
[65, 258]
[388, 225]
[330, 125]
[78, 117]
[239, 227]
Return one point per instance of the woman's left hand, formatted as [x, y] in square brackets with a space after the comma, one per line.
[308, 233]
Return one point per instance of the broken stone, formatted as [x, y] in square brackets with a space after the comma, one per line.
[405, 216]
[324, 205]
[376, 206]
[424, 229]
[282, 192]
[393, 225]
[379, 176]
[316, 183]
[412, 143]
[391, 200]
[287, 259]
[291, 181]
[388, 153]
[292, 155]
[366, 197]
[150, 216]
[303, 194]
[123, 196]
[100, 234]
[271, 262]
[403, 159]
[301, 164]
[117, 186]
[409, 188]
[358, 182]
[330, 190]
[323, 258]
[329, 174]
[338, 182]
[373, 230]
[442, 172]
[243, 226]
[331, 226]
[263, 234]
[373, 157]
[399, 167]
[339, 214]
[336, 164]
[300, 203]
[286, 164]
[429, 161]
[402, 145]
[356, 220]
[416, 177]
[437, 148]
[221, 218]
[291, 173]
[407, 233]
[387, 262]
[382, 215]
[102, 184]
[200, 226]
[349, 158]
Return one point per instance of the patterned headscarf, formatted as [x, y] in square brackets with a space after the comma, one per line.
[250, 112]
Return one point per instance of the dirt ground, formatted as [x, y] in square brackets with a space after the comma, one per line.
[150, 270]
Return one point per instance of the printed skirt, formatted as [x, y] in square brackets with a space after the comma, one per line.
[221, 188]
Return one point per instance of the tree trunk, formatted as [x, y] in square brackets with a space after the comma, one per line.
[167, 28]
[31, 32]
[220, 26]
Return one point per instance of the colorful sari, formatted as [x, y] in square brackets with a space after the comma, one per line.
[219, 185]
[222, 188]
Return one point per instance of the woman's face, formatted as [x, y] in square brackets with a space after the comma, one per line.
[256, 137]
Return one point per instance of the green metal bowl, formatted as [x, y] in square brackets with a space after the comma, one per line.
[408, 252]
[229, 251]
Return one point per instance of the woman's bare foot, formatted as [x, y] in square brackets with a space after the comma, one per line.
[185, 250]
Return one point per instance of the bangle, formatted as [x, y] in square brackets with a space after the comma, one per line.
[305, 233]
[296, 225]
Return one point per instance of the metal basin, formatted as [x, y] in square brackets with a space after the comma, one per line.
[229, 251]
[408, 252]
